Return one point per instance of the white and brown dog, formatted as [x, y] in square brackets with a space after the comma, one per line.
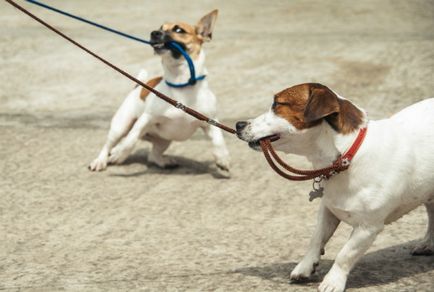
[391, 174]
[142, 115]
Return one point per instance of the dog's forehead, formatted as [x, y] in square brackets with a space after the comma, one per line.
[185, 26]
[294, 94]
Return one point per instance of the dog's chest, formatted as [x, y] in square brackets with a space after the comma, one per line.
[344, 205]
[175, 125]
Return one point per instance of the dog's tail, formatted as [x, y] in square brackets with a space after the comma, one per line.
[142, 76]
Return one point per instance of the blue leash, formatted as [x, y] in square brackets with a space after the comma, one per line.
[193, 79]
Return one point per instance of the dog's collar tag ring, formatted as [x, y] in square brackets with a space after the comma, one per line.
[318, 190]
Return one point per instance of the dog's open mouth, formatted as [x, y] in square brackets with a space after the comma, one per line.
[256, 144]
[162, 47]
[159, 47]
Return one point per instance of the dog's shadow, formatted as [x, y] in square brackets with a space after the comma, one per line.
[185, 166]
[376, 268]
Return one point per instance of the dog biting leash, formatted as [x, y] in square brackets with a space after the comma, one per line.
[164, 97]
[193, 79]
[341, 164]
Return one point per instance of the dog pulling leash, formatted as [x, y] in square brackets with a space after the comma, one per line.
[341, 164]
[164, 97]
[193, 79]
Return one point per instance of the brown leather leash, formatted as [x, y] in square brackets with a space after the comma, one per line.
[164, 97]
[340, 164]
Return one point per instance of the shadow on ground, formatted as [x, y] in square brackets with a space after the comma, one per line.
[185, 166]
[376, 268]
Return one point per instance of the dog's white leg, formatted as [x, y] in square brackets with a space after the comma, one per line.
[119, 127]
[360, 240]
[426, 246]
[126, 146]
[159, 145]
[326, 226]
[220, 151]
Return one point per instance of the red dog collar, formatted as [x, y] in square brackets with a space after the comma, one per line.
[341, 164]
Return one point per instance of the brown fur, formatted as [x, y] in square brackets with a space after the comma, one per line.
[193, 36]
[306, 105]
[151, 83]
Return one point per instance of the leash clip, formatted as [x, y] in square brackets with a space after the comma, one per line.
[212, 122]
[180, 106]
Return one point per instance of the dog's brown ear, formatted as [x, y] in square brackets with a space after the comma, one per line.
[205, 26]
[322, 102]
[340, 114]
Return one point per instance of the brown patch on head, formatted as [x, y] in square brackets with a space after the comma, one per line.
[192, 37]
[151, 83]
[290, 104]
[306, 105]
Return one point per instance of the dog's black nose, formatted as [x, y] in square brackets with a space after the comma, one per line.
[156, 34]
[240, 125]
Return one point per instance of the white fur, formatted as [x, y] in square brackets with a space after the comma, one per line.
[160, 123]
[391, 174]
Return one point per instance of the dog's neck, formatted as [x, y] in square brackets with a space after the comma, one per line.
[327, 145]
[177, 70]
[321, 145]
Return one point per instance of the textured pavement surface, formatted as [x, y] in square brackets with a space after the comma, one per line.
[139, 228]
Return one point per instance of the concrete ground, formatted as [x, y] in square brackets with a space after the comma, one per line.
[139, 228]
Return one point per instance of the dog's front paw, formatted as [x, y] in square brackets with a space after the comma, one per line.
[333, 282]
[223, 167]
[223, 163]
[98, 164]
[118, 155]
[424, 248]
[302, 271]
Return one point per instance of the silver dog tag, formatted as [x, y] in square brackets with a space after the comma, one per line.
[316, 193]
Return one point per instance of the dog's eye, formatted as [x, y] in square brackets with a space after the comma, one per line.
[177, 29]
[276, 103]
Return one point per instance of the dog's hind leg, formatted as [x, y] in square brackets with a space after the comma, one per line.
[119, 153]
[326, 226]
[159, 145]
[426, 246]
